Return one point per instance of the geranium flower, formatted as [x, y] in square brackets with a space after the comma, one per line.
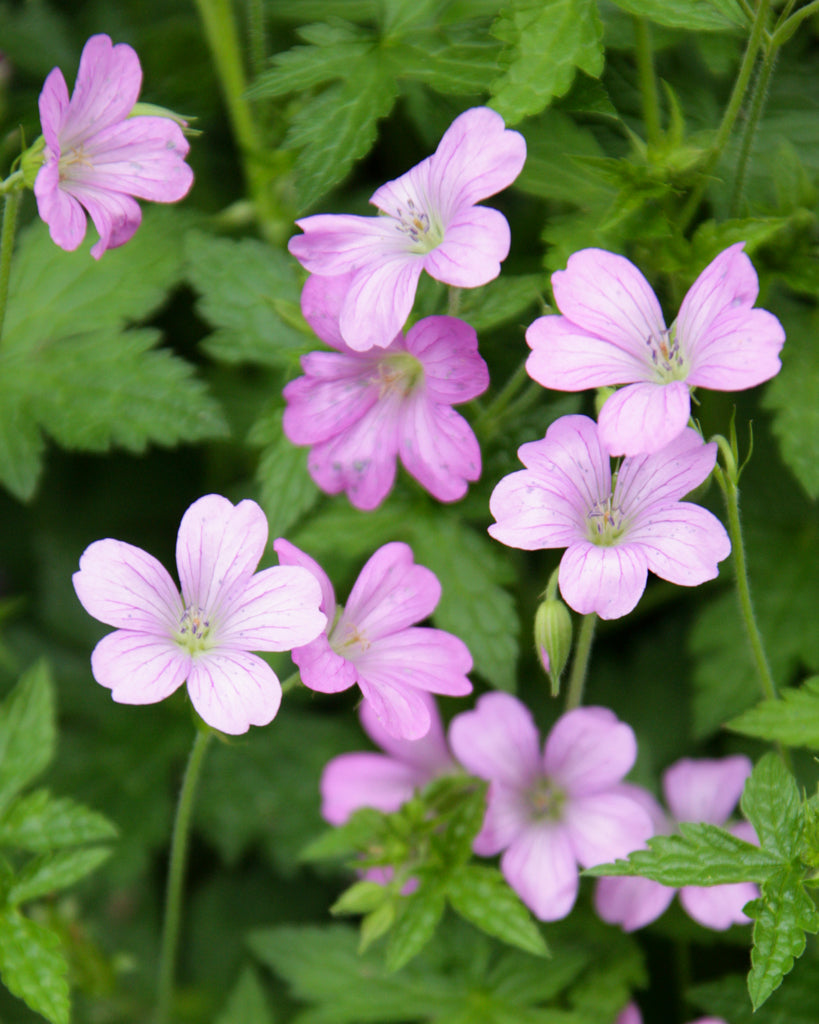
[695, 790]
[373, 642]
[550, 811]
[612, 332]
[360, 411]
[205, 634]
[97, 157]
[430, 223]
[631, 1015]
[384, 781]
[614, 529]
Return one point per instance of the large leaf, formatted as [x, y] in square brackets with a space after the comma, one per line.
[692, 15]
[792, 720]
[40, 822]
[770, 801]
[247, 1003]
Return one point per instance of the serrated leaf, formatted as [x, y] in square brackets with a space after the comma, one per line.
[286, 489]
[691, 15]
[701, 854]
[483, 896]
[501, 301]
[305, 67]
[27, 732]
[247, 1003]
[782, 916]
[39, 822]
[557, 166]
[33, 966]
[792, 720]
[54, 871]
[770, 801]
[449, 68]
[547, 41]
[415, 926]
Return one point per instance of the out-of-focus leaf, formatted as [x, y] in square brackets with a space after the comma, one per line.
[482, 895]
[40, 822]
[33, 966]
[286, 489]
[51, 872]
[415, 926]
[502, 300]
[692, 15]
[247, 1003]
[27, 732]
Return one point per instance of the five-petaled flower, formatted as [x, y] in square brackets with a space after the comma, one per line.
[614, 529]
[430, 222]
[548, 811]
[372, 640]
[205, 634]
[99, 158]
[612, 332]
[695, 790]
[360, 411]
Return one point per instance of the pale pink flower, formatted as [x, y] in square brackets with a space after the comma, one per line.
[430, 222]
[614, 529]
[699, 791]
[387, 780]
[373, 642]
[612, 332]
[97, 157]
[550, 811]
[631, 1015]
[361, 411]
[203, 635]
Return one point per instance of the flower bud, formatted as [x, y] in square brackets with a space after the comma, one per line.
[32, 160]
[553, 638]
[153, 110]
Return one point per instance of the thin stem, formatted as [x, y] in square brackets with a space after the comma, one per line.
[580, 664]
[496, 408]
[648, 81]
[11, 205]
[788, 23]
[291, 682]
[176, 876]
[758, 97]
[731, 111]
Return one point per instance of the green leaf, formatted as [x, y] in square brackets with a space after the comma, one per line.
[286, 489]
[501, 301]
[546, 42]
[250, 292]
[247, 1003]
[305, 67]
[416, 924]
[782, 916]
[482, 895]
[555, 168]
[692, 15]
[33, 966]
[39, 822]
[51, 872]
[770, 801]
[792, 720]
[701, 854]
[27, 732]
[794, 1003]
[449, 68]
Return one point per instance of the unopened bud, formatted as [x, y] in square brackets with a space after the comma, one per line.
[553, 639]
[153, 110]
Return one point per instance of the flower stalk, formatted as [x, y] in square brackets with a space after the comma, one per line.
[580, 664]
[11, 204]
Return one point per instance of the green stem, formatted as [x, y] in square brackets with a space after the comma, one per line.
[648, 81]
[291, 682]
[176, 875]
[731, 111]
[580, 664]
[11, 205]
[492, 413]
[788, 23]
[758, 97]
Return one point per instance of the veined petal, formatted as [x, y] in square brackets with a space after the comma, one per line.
[606, 295]
[64, 215]
[323, 670]
[605, 826]
[589, 749]
[124, 586]
[430, 755]
[116, 216]
[379, 300]
[728, 282]
[289, 554]
[531, 516]
[718, 906]
[567, 358]
[107, 87]
[218, 545]
[571, 461]
[498, 740]
[476, 242]
[631, 902]
[447, 348]
[232, 690]
[399, 709]
[139, 668]
[276, 610]
[682, 543]
[53, 104]
[667, 475]
[420, 657]
[541, 867]
[391, 593]
[336, 393]
[644, 417]
[321, 302]
[706, 789]
[437, 447]
[609, 581]
[351, 781]
[739, 350]
[333, 243]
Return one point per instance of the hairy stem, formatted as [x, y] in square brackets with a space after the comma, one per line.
[580, 663]
[648, 81]
[758, 97]
[11, 204]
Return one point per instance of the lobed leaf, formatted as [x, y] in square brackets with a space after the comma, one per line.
[691, 15]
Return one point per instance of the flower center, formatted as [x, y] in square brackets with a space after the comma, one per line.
[545, 800]
[415, 222]
[346, 635]
[398, 374]
[606, 522]
[194, 630]
[666, 355]
[68, 160]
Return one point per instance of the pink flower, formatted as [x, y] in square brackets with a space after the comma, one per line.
[549, 811]
[384, 781]
[631, 1015]
[431, 223]
[360, 411]
[707, 791]
[612, 332]
[99, 158]
[613, 535]
[372, 641]
[204, 635]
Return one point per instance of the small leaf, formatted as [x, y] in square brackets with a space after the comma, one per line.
[792, 720]
[361, 898]
[286, 489]
[33, 966]
[39, 822]
[483, 896]
[51, 872]
[770, 801]
[247, 1003]
[27, 731]
[501, 301]
[415, 926]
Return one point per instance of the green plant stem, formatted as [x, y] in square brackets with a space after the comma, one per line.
[11, 204]
[176, 876]
[648, 81]
[731, 111]
[291, 682]
[492, 413]
[758, 97]
[580, 663]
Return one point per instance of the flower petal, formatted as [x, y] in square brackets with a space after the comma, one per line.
[64, 215]
[391, 593]
[289, 554]
[644, 417]
[589, 749]
[604, 826]
[740, 350]
[705, 789]
[321, 302]
[351, 781]
[116, 216]
[609, 581]
[379, 300]
[322, 669]
[475, 243]
[423, 658]
[124, 586]
[682, 543]
[332, 243]
[498, 740]
[276, 610]
[530, 516]
[437, 447]
[53, 104]
[107, 87]
[728, 282]
[508, 813]
[540, 866]
[335, 393]
[430, 755]
[718, 906]
[400, 709]
[139, 668]
[447, 348]
[567, 358]
[667, 475]
[631, 902]
[232, 690]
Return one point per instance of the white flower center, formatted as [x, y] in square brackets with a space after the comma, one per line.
[194, 630]
[667, 356]
[412, 220]
[606, 522]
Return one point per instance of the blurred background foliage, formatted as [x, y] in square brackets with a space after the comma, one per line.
[130, 387]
